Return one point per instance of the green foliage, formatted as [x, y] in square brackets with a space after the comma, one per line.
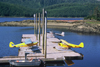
[71, 9]
[55, 8]
[95, 15]
[42, 3]
[13, 10]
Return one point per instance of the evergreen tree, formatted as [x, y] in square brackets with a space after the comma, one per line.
[97, 13]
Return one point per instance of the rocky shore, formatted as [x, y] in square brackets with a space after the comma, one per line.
[77, 26]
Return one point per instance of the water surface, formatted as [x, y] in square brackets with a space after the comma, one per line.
[8, 19]
[91, 51]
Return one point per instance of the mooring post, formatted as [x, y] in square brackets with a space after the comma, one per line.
[26, 56]
[34, 25]
[45, 34]
[36, 28]
[41, 20]
[39, 28]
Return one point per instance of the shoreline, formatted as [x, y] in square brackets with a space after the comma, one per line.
[71, 25]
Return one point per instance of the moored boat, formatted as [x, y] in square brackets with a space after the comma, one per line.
[33, 62]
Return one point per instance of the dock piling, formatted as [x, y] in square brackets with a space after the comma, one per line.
[39, 28]
[43, 33]
[34, 25]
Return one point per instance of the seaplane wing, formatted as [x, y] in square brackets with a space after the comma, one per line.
[27, 43]
[69, 45]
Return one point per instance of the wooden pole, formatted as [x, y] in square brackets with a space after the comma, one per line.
[36, 28]
[41, 20]
[34, 25]
[39, 28]
[45, 34]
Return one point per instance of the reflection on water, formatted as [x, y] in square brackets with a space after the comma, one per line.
[64, 63]
[55, 63]
[69, 62]
[47, 63]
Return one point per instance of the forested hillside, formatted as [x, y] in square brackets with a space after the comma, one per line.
[44, 3]
[13, 10]
[72, 9]
[55, 8]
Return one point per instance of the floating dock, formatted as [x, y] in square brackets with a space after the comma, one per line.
[53, 54]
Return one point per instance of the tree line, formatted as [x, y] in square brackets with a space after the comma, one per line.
[44, 3]
[94, 14]
[71, 9]
[56, 10]
[13, 10]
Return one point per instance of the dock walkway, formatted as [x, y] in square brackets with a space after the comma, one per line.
[52, 53]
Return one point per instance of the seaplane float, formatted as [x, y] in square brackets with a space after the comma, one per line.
[27, 43]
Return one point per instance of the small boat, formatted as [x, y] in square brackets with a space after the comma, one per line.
[33, 62]
[25, 62]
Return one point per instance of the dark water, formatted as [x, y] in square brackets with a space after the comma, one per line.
[91, 51]
[3, 19]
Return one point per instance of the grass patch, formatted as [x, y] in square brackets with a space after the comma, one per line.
[92, 21]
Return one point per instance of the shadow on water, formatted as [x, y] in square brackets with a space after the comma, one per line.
[55, 63]
[62, 63]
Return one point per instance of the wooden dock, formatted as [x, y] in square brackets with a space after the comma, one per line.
[52, 53]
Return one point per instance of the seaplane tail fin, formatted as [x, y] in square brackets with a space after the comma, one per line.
[11, 44]
[81, 45]
[63, 33]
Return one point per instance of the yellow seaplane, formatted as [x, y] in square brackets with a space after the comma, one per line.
[65, 44]
[27, 43]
